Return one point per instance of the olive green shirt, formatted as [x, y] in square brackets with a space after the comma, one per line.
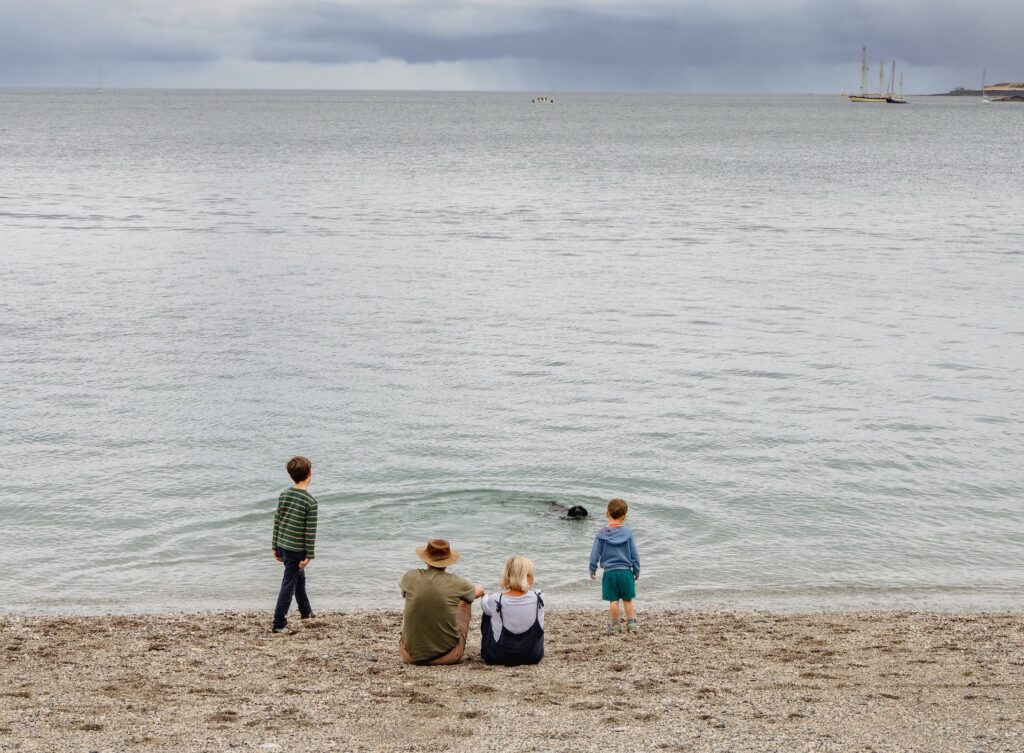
[432, 597]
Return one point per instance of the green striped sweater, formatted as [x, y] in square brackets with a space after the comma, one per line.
[295, 522]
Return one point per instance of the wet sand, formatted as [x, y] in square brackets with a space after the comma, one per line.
[691, 681]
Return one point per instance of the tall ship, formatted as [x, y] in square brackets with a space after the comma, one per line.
[891, 96]
[866, 96]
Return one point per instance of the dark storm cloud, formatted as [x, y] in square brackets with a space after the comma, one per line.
[636, 35]
[569, 43]
[51, 32]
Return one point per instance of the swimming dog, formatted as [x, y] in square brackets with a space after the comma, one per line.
[576, 512]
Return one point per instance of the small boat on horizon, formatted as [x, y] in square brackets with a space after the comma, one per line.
[864, 95]
[882, 96]
[891, 96]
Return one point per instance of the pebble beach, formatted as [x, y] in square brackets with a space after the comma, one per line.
[690, 681]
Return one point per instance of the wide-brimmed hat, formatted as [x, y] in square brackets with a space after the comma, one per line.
[437, 553]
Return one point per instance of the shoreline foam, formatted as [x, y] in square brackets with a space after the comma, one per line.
[691, 681]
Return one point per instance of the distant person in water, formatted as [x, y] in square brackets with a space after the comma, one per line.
[435, 623]
[294, 542]
[512, 629]
[615, 551]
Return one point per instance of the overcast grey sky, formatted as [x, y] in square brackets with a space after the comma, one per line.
[643, 45]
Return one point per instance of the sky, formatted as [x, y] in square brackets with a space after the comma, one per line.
[520, 45]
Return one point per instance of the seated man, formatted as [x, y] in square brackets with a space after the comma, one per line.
[437, 606]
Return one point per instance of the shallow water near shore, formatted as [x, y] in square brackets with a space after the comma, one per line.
[788, 330]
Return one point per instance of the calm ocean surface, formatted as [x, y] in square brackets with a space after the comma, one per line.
[788, 330]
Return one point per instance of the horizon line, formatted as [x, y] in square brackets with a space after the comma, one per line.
[97, 89]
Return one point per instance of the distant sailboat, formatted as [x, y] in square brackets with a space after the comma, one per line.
[892, 97]
[864, 96]
[984, 97]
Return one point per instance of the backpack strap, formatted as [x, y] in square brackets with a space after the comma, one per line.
[498, 607]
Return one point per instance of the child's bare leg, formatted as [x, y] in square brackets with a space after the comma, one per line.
[613, 611]
[630, 610]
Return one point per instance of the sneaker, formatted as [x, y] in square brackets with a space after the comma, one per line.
[283, 631]
[310, 616]
[612, 628]
[632, 627]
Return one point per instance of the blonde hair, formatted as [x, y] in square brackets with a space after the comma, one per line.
[516, 574]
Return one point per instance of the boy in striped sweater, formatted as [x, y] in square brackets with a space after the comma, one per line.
[294, 542]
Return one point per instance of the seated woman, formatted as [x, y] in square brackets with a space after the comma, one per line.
[512, 629]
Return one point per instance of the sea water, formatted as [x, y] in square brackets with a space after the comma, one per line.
[787, 330]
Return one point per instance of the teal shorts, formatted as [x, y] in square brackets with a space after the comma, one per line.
[618, 584]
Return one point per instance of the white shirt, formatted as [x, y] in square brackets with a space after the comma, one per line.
[517, 612]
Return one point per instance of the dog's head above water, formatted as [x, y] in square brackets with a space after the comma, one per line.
[576, 512]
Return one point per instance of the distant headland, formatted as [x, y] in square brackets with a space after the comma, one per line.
[1009, 92]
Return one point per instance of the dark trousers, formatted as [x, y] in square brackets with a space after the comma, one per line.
[292, 584]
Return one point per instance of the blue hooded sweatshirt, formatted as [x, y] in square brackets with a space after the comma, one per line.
[615, 549]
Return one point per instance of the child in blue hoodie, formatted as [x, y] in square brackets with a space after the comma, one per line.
[615, 550]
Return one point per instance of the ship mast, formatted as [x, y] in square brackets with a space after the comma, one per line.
[863, 71]
[881, 75]
[892, 78]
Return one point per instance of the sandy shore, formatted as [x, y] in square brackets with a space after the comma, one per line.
[692, 681]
